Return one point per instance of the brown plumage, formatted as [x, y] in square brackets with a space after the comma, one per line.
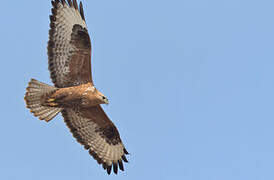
[73, 94]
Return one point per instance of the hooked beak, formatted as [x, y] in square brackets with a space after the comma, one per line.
[106, 101]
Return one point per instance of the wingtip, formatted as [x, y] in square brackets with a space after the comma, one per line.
[109, 169]
[82, 11]
[70, 3]
[125, 151]
[75, 4]
[63, 2]
[124, 158]
[115, 168]
[121, 166]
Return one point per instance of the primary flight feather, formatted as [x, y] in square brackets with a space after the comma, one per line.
[73, 94]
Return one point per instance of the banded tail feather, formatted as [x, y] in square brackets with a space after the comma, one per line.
[35, 96]
[74, 93]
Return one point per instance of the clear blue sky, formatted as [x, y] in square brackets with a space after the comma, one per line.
[190, 85]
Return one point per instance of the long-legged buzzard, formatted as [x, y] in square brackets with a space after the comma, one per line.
[73, 93]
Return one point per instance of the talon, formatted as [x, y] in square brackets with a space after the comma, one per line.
[50, 100]
[53, 104]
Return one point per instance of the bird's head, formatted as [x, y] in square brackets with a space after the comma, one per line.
[101, 97]
[92, 97]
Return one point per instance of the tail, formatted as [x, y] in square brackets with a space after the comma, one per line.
[34, 97]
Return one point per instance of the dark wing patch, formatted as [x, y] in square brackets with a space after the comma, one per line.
[80, 38]
[93, 129]
[69, 46]
[79, 65]
[110, 134]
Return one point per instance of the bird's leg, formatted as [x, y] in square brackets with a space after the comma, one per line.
[55, 99]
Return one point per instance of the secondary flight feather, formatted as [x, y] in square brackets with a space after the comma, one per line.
[73, 93]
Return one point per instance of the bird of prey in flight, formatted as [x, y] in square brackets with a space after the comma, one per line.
[73, 93]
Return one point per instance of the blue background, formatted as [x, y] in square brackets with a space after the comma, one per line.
[190, 85]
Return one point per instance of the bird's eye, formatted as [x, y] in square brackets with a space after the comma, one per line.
[104, 97]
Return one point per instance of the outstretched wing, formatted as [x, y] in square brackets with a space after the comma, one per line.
[93, 129]
[69, 46]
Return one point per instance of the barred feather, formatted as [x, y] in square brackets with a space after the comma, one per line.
[35, 93]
